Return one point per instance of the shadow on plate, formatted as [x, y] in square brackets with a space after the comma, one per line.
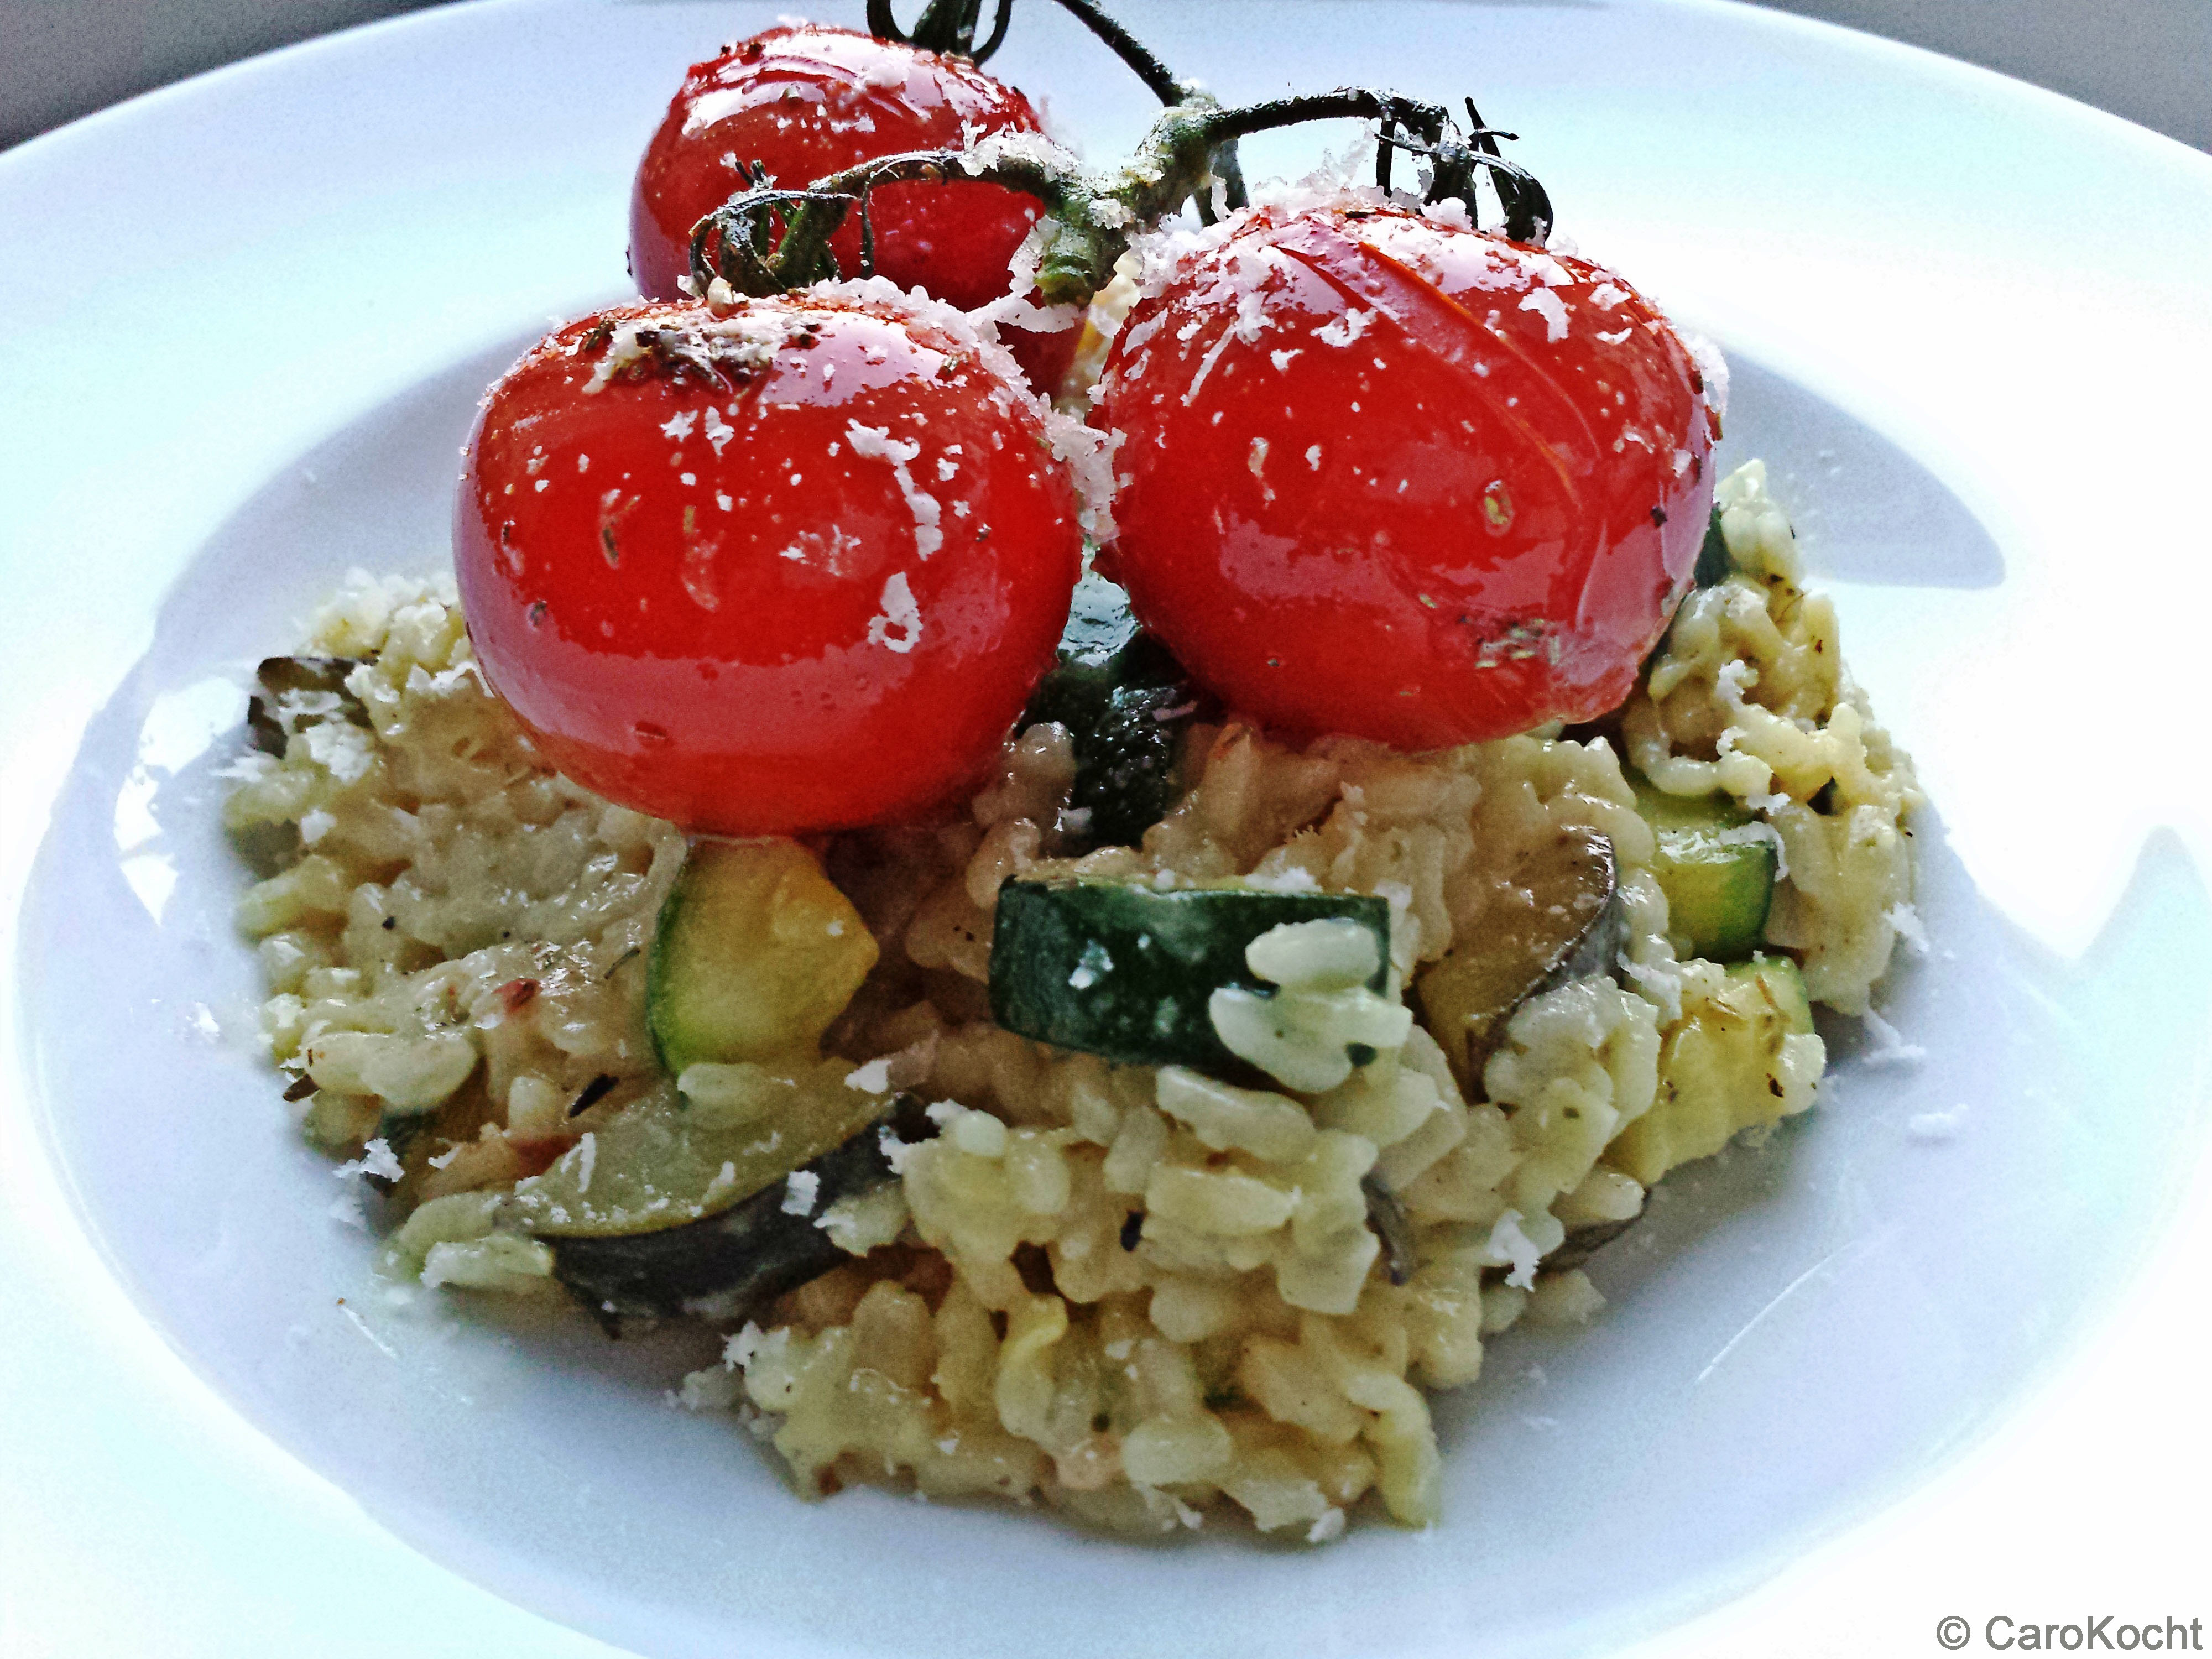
[1866, 511]
[1887, 1278]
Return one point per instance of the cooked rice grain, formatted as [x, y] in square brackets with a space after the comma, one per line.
[454, 945]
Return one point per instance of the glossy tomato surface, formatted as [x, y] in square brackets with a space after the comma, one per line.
[792, 566]
[809, 100]
[1387, 476]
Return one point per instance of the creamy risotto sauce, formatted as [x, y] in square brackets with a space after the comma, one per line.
[1139, 1294]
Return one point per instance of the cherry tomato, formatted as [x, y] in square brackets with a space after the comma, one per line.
[808, 100]
[1393, 477]
[792, 566]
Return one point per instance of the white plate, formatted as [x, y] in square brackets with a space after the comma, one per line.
[245, 323]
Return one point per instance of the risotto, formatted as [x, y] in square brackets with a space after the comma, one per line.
[1143, 1293]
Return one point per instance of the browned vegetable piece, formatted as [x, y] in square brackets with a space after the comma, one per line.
[323, 678]
[1387, 1218]
[1583, 1242]
[669, 1158]
[1561, 918]
[727, 1265]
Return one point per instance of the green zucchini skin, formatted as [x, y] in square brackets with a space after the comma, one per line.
[1718, 892]
[1714, 564]
[1125, 701]
[1126, 970]
[738, 1259]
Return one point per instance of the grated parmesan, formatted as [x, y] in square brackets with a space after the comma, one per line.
[877, 443]
[801, 1189]
[1890, 1047]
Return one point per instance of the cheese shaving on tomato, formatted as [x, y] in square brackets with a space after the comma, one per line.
[1548, 306]
[1015, 308]
[899, 612]
[1086, 454]
[1711, 367]
[877, 443]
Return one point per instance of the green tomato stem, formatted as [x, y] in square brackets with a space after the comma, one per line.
[946, 26]
[1167, 89]
[1094, 216]
[736, 242]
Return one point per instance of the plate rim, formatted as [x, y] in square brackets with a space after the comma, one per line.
[297, 1485]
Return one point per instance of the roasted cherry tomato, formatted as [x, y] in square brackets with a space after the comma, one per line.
[806, 102]
[1386, 476]
[790, 567]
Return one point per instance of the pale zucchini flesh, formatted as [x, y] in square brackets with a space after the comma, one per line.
[755, 954]
[725, 1265]
[665, 1159]
[1722, 1069]
[1717, 869]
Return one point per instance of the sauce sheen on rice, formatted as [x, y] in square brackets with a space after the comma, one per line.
[1143, 1295]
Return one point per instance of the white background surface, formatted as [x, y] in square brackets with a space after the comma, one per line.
[139, 1515]
[2148, 60]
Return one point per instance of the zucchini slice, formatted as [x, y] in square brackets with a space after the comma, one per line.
[725, 1265]
[670, 1158]
[755, 953]
[1717, 870]
[1127, 970]
[1125, 701]
[1559, 917]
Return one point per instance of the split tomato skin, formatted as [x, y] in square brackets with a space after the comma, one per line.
[791, 568]
[808, 100]
[1385, 475]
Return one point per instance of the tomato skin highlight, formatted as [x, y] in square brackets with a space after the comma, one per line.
[807, 590]
[808, 100]
[1386, 476]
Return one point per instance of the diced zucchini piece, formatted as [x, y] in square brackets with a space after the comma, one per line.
[1725, 1068]
[670, 1158]
[1561, 919]
[1124, 701]
[1717, 870]
[755, 954]
[1127, 971]
[728, 1263]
